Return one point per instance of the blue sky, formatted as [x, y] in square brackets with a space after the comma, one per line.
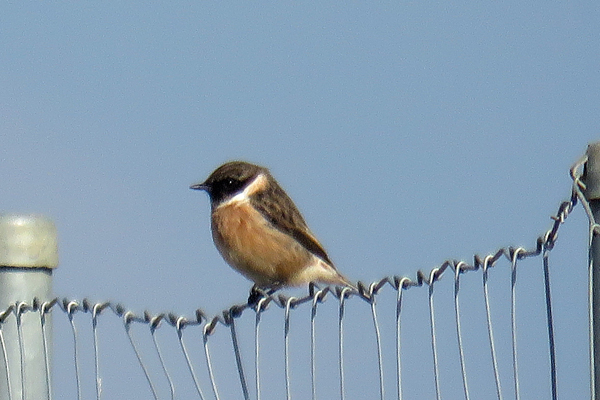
[407, 133]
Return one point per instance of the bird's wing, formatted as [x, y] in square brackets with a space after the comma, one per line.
[277, 207]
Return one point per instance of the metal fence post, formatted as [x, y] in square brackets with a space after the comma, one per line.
[28, 254]
[591, 178]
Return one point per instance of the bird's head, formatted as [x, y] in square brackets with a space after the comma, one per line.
[230, 179]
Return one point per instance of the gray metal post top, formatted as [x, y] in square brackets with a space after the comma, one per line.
[592, 172]
[28, 241]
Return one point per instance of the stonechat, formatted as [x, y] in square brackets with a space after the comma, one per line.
[259, 231]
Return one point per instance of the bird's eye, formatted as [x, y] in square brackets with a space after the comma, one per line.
[230, 185]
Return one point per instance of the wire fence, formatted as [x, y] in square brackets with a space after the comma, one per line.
[381, 349]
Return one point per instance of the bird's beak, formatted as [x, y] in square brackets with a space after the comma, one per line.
[200, 186]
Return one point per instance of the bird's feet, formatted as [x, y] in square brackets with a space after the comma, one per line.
[257, 293]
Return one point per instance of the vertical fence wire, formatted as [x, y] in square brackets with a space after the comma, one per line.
[43, 311]
[96, 309]
[400, 289]
[206, 333]
[343, 294]
[19, 311]
[127, 318]
[180, 324]
[71, 307]
[286, 347]
[259, 310]
[377, 341]
[488, 315]
[5, 356]
[550, 321]
[236, 350]
[154, 324]
[313, 314]
[591, 317]
[457, 272]
[436, 370]
[513, 319]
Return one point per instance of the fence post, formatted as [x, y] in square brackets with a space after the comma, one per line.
[28, 254]
[592, 193]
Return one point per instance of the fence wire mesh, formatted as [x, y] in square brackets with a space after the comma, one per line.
[251, 352]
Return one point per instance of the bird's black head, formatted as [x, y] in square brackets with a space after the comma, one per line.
[228, 180]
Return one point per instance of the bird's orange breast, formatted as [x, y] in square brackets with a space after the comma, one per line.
[251, 245]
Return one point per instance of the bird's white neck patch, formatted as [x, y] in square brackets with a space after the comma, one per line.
[257, 184]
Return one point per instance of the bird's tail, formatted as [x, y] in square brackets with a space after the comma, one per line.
[340, 280]
[324, 273]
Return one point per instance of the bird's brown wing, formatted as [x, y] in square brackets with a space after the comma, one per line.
[277, 207]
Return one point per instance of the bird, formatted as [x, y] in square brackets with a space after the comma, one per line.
[259, 231]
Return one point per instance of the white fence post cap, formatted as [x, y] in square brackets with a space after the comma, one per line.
[28, 241]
